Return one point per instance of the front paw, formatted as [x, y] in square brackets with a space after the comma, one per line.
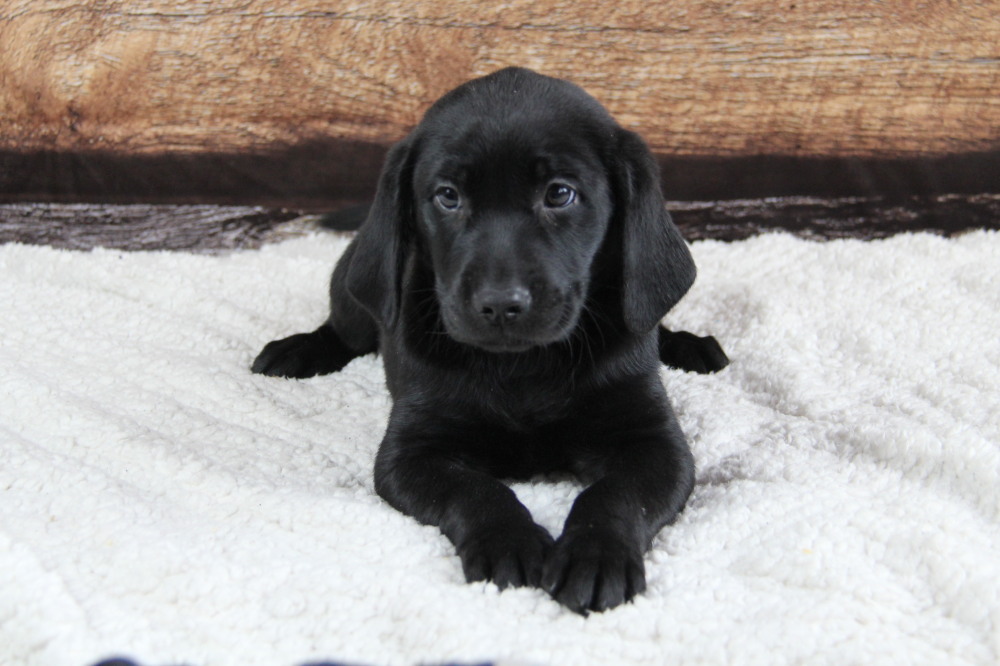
[510, 556]
[590, 570]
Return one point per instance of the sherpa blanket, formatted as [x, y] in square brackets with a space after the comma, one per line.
[160, 502]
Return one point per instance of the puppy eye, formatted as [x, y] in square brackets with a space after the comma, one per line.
[447, 198]
[559, 195]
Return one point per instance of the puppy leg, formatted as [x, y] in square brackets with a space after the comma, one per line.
[348, 332]
[493, 533]
[691, 353]
[597, 562]
[304, 355]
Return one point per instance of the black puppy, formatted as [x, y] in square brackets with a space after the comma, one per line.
[512, 272]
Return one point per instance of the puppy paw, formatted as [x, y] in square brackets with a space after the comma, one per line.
[691, 353]
[303, 355]
[508, 556]
[590, 570]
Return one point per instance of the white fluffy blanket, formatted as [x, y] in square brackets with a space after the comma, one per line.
[159, 501]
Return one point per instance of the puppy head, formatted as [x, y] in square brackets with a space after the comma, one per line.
[510, 186]
[513, 206]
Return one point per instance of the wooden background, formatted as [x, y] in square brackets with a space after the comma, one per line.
[294, 102]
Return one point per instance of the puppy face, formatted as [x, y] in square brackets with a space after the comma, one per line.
[513, 209]
[506, 192]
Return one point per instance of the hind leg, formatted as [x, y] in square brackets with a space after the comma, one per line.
[347, 333]
[691, 353]
[304, 355]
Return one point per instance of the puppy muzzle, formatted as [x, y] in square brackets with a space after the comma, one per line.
[510, 318]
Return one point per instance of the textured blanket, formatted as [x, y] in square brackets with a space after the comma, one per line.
[159, 502]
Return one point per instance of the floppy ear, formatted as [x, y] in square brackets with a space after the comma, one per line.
[374, 277]
[657, 268]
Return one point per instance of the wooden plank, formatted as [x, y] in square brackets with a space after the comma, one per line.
[819, 218]
[222, 228]
[748, 77]
[144, 227]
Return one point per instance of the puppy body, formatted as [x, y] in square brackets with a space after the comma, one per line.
[512, 273]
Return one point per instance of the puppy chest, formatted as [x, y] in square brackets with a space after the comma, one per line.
[523, 409]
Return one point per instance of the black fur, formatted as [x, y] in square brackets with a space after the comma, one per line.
[512, 272]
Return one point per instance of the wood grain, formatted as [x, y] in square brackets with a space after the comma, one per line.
[191, 228]
[213, 229]
[748, 77]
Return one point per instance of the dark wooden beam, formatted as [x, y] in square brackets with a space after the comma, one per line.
[324, 174]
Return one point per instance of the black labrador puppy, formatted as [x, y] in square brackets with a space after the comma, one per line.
[512, 272]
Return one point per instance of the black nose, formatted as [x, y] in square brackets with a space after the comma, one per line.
[502, 306]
